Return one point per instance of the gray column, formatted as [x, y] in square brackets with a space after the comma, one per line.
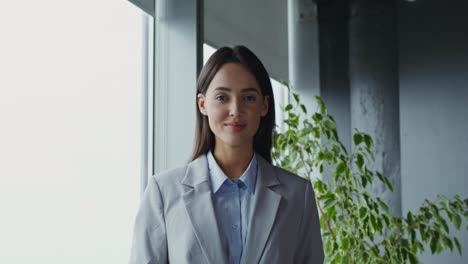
[146, 5]
[333, 20]
[145, 90]
[373, 69]
[178, 58]
[303, 50]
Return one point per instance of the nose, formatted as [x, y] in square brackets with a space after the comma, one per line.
[235, 107]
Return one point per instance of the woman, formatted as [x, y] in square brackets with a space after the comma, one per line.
[229, 204]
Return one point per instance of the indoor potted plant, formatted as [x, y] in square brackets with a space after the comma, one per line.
[357, 227]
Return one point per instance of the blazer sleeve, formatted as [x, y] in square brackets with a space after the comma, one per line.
[310, 248]
[149, 244]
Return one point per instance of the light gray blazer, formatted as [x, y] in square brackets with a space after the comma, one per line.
[176, 222]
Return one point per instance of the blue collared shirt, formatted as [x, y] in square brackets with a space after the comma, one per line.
[233, 203]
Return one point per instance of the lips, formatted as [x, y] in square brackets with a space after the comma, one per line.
[235, 126]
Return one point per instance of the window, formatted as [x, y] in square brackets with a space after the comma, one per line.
[70, 111]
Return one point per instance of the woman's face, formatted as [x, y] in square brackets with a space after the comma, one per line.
[234, 105]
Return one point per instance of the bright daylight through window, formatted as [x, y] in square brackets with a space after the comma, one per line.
[70, 95]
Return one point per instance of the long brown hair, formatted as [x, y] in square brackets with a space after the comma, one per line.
[204, 137]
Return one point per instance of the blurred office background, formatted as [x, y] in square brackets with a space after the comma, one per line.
[97, 96]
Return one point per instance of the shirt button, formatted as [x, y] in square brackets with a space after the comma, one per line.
[234, 227]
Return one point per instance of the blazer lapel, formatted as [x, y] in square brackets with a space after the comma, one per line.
[266, 204]
[199, 206]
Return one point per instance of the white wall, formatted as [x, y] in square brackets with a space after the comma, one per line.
[69, 130]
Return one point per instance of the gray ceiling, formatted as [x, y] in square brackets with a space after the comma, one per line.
[261, 25]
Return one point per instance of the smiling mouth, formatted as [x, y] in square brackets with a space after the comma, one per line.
[235, 127]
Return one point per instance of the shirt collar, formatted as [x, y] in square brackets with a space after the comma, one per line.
[217, 176]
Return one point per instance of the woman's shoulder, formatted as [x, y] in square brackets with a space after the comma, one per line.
[283, 176]
[286, 177]
[291, 186]
[170, 176]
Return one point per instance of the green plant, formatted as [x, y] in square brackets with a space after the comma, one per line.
[357, 227]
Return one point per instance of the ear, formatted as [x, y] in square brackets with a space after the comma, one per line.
[266, 105]
[201, 103]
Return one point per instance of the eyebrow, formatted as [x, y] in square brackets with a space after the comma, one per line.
[245, 90]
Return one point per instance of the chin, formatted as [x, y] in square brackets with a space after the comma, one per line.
[235, 142]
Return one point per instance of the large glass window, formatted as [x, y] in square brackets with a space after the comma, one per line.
[70, 113]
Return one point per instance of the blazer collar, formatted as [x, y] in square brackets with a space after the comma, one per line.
[200, 209]
[265, 208]
[217, 176]
[266, 170]
[197, 172]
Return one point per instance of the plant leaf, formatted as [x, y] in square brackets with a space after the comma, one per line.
[359, 161]
[323, 108]
[303, 109]
[457, 243]
[357, 138]
[412, 258]
[296, 97]
[345, 244]
[388, 184]
[368, 141]
[444, 224]
[457, 221]
[340, 168]
[433, 245]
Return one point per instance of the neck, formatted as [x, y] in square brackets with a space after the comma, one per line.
[233, 161]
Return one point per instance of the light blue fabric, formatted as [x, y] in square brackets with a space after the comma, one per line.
[233, 202]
